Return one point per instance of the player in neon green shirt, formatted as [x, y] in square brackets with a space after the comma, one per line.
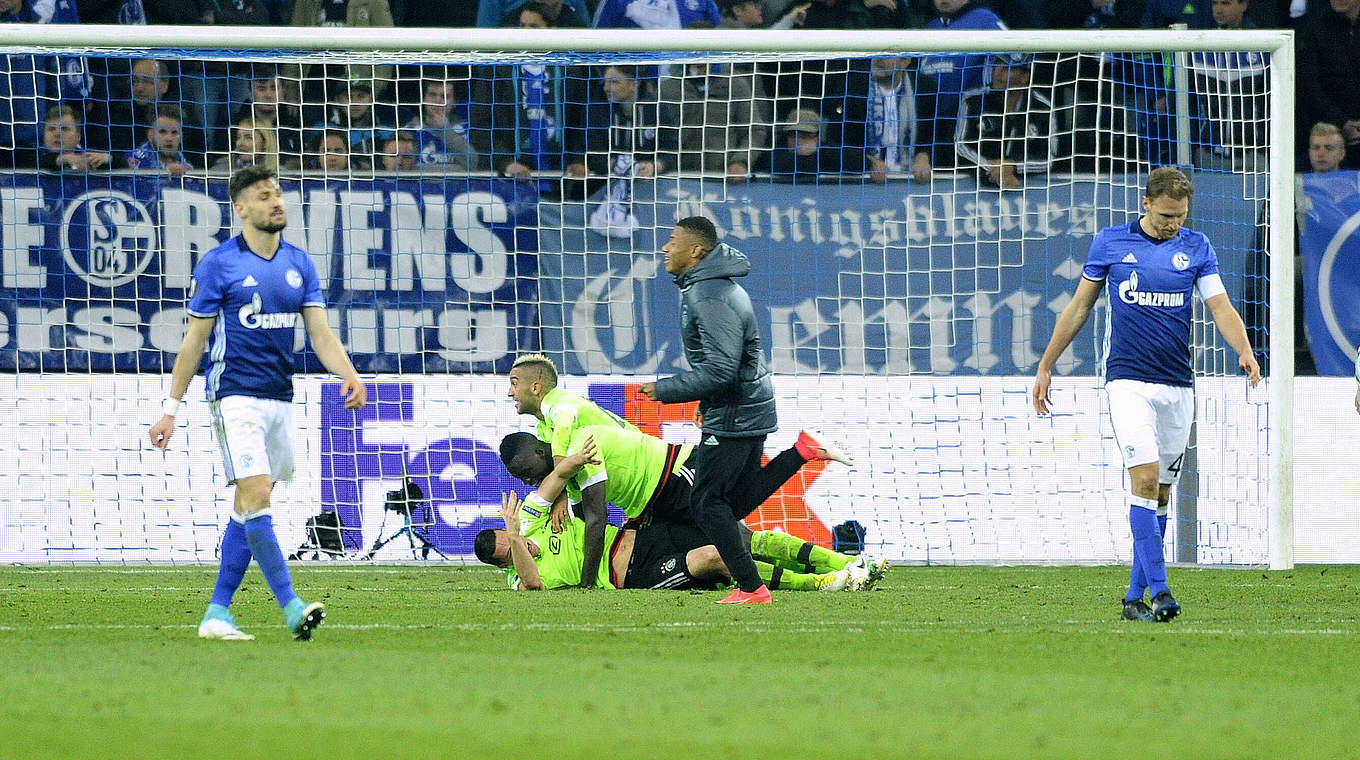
[648, 480]
[658, 555]
[533, 386]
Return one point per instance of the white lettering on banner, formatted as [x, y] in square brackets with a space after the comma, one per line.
[362, 333]
[4, 330]
[318, 230]
[191, 225]
[791, 329]
[109, 330]
[628, 312]
[165, 329]
[473, 336]
[19, 235]
[360, 238]
[418, 241]
[879, 340]
[484, 267]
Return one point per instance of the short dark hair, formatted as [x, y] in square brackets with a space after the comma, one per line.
[524, 456]
[540, 364]
[484, 546]
[244, 178]
[167, 111]
[702, 228]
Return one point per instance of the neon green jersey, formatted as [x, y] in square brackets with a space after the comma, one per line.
[631, 466]
[560, 554]
[564, 413]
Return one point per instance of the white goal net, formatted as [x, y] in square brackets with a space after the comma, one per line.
[917, 211]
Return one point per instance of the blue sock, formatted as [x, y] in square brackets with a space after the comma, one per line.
[1138, 578]
[264, 546]
[1147, 545]
[235, 560]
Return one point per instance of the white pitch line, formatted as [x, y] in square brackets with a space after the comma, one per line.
[852, 627]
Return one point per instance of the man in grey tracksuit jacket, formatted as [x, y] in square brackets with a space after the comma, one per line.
[731, 381]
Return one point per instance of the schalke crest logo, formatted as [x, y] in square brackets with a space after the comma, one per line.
[107, 237]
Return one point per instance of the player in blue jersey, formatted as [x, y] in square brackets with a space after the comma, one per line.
[1150, 268]
[248, 294]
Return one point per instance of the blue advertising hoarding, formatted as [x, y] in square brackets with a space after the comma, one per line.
[860, 279]
[419, 276]
[1329, 240]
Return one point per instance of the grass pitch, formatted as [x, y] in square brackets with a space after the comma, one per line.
[442, 662]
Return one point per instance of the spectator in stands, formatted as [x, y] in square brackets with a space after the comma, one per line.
[802, 156]
[565, 14]
[400, 152]
[329, 153]
[30, 84]
[941, 80]
[355, 115]
[253, 144]
[349, 13]
[1233, 98]
[152, 84]
[750, 14]
[520, 112]
[654, 14]
[723, 127]
[62, 147]
[441, 130]
[888, 115]
[1326, 147]
[1327, 62]
[162, 150]
[621, 138]
[1006, 129]
[267, 103]
[213, 85]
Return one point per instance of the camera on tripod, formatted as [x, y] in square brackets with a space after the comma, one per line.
[406, 499]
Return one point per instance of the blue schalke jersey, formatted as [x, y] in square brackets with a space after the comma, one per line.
[258, 303]
[1150, 285]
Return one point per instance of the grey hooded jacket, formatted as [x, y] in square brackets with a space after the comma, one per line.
[728, 374]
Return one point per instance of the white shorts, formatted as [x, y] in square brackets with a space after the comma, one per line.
[1151, 423]
[255, 435]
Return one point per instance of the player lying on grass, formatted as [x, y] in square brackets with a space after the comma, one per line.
[656, 555]
[645, 477]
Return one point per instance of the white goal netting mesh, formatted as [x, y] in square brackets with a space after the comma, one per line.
[915, 222]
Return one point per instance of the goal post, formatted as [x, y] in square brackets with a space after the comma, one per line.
[903, 317]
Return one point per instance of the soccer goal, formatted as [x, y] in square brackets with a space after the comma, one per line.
[916, 207]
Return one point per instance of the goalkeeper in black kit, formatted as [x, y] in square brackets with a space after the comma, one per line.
[731, 381]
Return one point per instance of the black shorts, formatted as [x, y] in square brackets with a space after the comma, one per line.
[658, 560]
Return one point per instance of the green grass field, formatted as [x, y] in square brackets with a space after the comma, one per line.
[444, 663]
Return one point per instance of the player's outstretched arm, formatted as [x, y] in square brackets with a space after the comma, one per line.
[186, 362]
[1234, 331]
[523, 562]
[333, 357]
[1070, 322]
[566, 469]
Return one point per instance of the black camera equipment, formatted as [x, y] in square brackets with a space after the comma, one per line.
[417, 516]
[323, 537]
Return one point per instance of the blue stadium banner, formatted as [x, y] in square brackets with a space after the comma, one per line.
[433, 275]
[1329, 239]
[857, 278]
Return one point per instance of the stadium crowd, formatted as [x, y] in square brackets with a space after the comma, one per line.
[1003, 117]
